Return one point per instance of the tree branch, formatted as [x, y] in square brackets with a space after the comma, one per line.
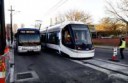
[115, 12]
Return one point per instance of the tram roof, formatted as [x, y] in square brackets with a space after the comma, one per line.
[61, 25]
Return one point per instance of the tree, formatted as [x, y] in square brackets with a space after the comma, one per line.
[119, 10]
[75, 15]
[111, 25]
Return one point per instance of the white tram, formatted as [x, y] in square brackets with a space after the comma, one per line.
[69, 38]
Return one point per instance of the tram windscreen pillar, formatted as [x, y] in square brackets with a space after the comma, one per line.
[2, 28]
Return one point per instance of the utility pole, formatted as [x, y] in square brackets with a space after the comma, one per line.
[11, 23]
[2, 28]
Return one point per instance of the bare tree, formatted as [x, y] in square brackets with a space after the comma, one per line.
[109, 23]
[60, 18]
[75, 15]
[119, 10]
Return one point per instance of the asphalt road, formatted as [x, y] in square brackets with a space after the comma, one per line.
[107, 53]
[53, 68]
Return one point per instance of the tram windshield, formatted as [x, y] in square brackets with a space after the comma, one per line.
[82, 36]
[77, 36]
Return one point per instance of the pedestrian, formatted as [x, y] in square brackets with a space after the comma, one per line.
[122, 46]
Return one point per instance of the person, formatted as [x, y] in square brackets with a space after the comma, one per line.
[67, 37]
[122, 46]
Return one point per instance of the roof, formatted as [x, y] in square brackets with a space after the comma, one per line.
[61, 25]
[28, 29]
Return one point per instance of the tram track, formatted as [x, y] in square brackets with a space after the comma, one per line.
[113, 62]
[111, 68]
[120, 70]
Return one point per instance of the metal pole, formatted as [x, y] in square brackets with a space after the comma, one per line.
[11, 23]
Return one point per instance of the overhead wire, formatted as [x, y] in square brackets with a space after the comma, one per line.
[55, 7]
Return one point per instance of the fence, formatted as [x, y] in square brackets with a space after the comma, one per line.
[5, 67]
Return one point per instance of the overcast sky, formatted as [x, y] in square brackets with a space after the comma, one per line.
[31, 10]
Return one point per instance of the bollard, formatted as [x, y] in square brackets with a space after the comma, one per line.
[114, 56]
[4, 65]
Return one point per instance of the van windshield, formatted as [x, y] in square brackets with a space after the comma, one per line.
[28, 38]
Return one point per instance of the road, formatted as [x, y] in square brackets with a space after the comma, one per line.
[106, 53]
[53, 68]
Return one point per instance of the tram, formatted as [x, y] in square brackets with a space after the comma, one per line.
[70, 38]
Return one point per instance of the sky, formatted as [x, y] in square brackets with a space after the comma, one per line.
[27, 11]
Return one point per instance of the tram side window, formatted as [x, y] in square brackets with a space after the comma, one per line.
[53, 39]
[50, 39]
[66, 38]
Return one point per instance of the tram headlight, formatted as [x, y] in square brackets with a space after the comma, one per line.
[92, 48]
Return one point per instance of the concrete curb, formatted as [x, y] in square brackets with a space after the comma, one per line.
[12, 66]
[104, 47]
[108, 47]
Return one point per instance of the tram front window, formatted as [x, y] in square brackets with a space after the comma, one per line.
[82, 37]
[67, 37]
